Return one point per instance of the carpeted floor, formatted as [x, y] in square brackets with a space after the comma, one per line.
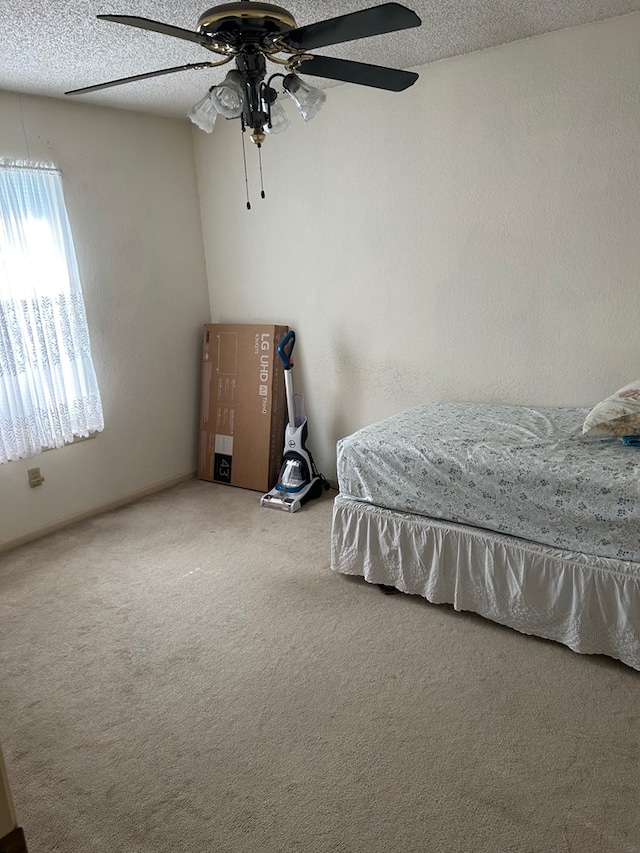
[185, 674]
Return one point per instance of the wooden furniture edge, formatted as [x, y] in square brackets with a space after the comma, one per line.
[14, 842]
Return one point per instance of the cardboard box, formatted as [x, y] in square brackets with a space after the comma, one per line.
[242, 405]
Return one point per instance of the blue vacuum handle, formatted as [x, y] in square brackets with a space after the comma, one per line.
[285, 349]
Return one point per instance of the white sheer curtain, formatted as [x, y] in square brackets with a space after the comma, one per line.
[48, 388]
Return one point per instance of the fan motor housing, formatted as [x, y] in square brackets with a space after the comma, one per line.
[247, 21]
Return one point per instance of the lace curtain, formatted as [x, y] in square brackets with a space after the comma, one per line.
[48, 388]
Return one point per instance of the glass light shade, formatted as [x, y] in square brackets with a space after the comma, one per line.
[279, 118]
[203, 114]
[307, 98]
[228, 97]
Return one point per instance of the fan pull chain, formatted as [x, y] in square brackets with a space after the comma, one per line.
[262, 195]
[246, 179]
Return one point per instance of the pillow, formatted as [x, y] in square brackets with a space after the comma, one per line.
[618, 415]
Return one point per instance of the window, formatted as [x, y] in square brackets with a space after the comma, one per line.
[48, 388]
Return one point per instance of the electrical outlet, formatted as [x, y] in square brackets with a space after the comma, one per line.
[35, 477]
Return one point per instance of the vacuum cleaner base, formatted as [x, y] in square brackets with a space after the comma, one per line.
[293, 501]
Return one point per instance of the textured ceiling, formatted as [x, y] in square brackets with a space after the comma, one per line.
[48, 48]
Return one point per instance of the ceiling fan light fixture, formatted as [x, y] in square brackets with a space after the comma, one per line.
[252, 32]
[307, 99]
[228, 97]
[278, 118]
[203, 114]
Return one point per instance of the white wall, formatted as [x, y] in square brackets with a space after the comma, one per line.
[131, 193]
[474, 238]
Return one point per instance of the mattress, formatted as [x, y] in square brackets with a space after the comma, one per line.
[522, 471]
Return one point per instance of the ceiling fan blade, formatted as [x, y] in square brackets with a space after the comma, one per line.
[158, 27]
[122, 80]
[358, 72]
[386, 18]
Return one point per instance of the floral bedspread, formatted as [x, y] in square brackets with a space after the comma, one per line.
[527, 472]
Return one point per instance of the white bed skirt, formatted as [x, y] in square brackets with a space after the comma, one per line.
[591, 604]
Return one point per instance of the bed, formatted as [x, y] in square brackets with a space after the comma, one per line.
[507, 511]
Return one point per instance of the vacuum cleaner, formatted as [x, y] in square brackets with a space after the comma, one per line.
[299, 480]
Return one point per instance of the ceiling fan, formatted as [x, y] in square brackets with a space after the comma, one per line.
[252, 33]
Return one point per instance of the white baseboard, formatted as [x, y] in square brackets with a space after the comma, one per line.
[80, 516]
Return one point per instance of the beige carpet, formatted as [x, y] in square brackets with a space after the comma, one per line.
[185, 674]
